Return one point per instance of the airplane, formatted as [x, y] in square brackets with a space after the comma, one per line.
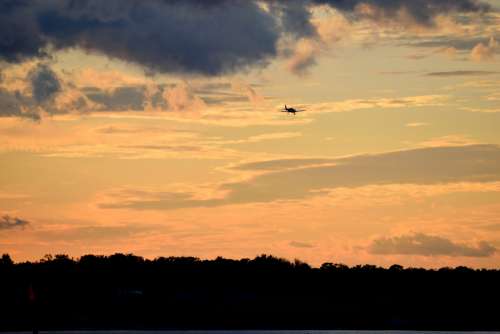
[291, 110]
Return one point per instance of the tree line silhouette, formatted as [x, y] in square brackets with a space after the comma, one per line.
[124, 291]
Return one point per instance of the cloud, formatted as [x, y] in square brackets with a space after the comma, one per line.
[173, 148]
[483, 110]
[449, 140]
[254, 97]
[491, 227]
[48, 92]
[303, 56]
[423, 12]
[44, 82]
[458, 41]
[298, 244]
[460, 73]
[416, 124]
[283, 164]
[270, 136]
[119, 129]
[256, 139]
[428, 245]
[397, 102]
[295, 17]
[14, 105]
[124, 98]
[105, 79]
[96, 233]
[182, 98]
[179, 97]
[482, 52]
[291, 179]
[451, 52]
[191, 36]
[43, 91]
[72, 99]
[7, 223]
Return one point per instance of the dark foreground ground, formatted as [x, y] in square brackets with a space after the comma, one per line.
[128, 292]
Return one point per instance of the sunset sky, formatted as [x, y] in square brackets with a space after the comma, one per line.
[154, 128]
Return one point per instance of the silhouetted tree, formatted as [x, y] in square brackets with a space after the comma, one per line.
[6, 261]
[128, 291]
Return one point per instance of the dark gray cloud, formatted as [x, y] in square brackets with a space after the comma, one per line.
[44, 86]
[14, 104]
[134, 98]
[9, 104]
[124, 98]
[281, 181]
[295, 17]
[460, 73]
[428, 245]
[7, 223]
[190, 36]
[44, 83]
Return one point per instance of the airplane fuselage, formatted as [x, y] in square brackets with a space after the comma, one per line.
[290, 110]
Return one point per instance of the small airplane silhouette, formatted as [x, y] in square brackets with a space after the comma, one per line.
[291, 110]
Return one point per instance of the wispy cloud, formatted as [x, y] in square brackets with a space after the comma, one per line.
[461, 73]
[96, 232]
[449, 140]
[293, 180]
[298, 244]
[485, 52]
[7, 223]
[416, 124]
[381, 102]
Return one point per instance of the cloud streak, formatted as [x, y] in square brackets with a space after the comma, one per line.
[428, 245]
[299, 244]
[291, 179]
[8, 223]
[460, 73]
